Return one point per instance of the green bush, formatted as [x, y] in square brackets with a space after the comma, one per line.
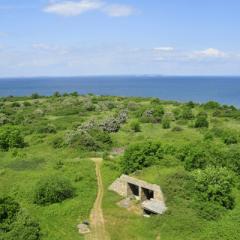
[9, 209]
[231, 139]
[58, 142]
[139, 156]
[88, 137]
[177, 129]
[25, 228]
[110, 125]
[196, 158]
[135, 126]
[49, 128]
[214, 185]
[11, 137]
[201, 121]
[209, 210]
[166, 123]
[16, 224]
[52, 189]
[187, 113]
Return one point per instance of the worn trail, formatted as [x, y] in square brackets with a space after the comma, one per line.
[98, 231]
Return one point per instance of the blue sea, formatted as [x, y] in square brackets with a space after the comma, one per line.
[225, 90]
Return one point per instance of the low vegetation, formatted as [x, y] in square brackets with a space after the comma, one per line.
[48, 183]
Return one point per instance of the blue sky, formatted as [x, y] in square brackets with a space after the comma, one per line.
[115, 37]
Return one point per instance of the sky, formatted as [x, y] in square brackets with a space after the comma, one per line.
[119, 37]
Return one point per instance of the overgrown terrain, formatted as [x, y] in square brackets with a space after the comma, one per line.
[48, 183]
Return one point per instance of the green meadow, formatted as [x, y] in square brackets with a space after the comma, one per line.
[180, 146]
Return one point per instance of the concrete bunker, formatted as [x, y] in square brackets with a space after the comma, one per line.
[132, 190]
[147, 194]
[150, 195]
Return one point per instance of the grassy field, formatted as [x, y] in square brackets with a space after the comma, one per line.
[48, 120]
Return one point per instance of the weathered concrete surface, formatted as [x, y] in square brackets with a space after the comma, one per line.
[143, 190]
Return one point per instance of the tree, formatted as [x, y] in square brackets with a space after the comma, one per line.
[11, 137]
[139, 156]
[214, 185]
[53, 189]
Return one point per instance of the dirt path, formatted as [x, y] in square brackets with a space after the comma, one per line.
[97, 225]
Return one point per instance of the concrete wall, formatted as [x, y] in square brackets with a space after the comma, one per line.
[120, 186]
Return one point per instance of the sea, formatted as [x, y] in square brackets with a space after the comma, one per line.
[225, 90]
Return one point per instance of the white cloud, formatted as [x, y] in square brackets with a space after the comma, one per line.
[75, 8]
[164, 49]
[72, 8]
[209, 53]
[117, 10]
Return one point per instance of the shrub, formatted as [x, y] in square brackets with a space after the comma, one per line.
[25, 228]
[11, 137]
[3, 119]
[89, 106]
[9, 209]
[16, 224]
[58, 142]
[187, 113]
[135, 126]
[233, 160]
[209, 210]
[231, 139]
[56, 94]
[214, 185]
[35, 96]
[212, 105]
[166, 124]
[16, 104]
[201, 121]
[152, 115]
[110, 125]
[49, 128]
[89, 137]
[26, 104]
[81, 139]
[196, 158]
[53, 189]
[139, 156]
[122, 117]
[177, 129]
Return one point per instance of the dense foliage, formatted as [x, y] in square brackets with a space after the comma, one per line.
[53, 189]
[11, 137]
[16, 224]
[139, 156]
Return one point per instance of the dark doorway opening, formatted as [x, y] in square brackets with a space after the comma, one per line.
[148, 212]
[147, 194]
[133, 189]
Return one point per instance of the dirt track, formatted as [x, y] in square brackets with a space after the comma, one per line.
[97, 225]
